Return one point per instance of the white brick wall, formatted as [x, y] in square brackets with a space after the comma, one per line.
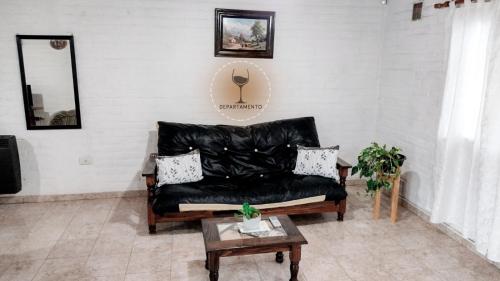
[411, 87]
[140, 61]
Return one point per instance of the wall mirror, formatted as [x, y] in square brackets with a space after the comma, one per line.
[49, 81]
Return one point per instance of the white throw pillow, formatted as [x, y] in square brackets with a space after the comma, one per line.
[316, 161]
[180, 168]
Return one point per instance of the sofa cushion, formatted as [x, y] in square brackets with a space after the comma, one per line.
[240, 152]
[257, 190]
[179, 169]
[317, 161]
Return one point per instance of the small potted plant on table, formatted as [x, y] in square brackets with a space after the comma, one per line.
[251, 217]
[382, 167]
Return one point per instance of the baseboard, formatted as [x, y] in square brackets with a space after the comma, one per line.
[87, 196]
[71, 197]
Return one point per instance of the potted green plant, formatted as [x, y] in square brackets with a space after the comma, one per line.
[251, 217]
[380, 165]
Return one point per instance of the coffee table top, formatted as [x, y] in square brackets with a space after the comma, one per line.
[222, 234]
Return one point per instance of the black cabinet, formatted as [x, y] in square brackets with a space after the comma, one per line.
[10, 169]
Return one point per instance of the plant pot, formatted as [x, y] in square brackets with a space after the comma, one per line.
[251, 224]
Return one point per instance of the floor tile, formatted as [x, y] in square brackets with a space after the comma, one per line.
[106, 204]
[107, 245]
[55, 217]
[153, 276]
[119, 229]
[119, 277]
[72, 248]
[337, 248]
[108, 240]
[188, 246]
[425, 275]
[4, 264]
[149, 262]
[411, 240]
[362, 266]
[91, 216]
[62, 209]
[62, 269]
[459, 274]
[45, 232]
[12, 233]
[153, 243]
[77, 230]
[29, 249]
[21, 270]
[193, 270]
[379, 244]
[401, 262]
[308, 269]
[238, 271]
[107, 265]
[436, 258]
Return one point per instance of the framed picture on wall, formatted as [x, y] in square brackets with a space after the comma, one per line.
[244, 33]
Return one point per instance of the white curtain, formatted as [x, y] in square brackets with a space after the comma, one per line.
[467, 171]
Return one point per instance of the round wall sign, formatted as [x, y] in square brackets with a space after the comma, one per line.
[240, 90]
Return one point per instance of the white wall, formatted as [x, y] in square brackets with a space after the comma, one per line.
[411, 88]
[140, 61]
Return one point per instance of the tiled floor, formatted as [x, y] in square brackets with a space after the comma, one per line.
[107, 240]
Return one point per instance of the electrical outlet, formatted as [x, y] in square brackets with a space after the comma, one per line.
[85, 160]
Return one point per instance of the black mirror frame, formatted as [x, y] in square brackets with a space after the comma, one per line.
[26, 98]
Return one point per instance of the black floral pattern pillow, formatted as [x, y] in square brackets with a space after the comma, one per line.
[316, 161]
[179, 169]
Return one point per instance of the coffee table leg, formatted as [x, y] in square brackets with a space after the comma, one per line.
[279, 257]
[213, 266]
[294, 262]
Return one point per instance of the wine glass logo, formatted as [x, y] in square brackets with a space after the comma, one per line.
[241, 81]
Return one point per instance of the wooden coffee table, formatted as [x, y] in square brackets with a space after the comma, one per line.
[222, 239]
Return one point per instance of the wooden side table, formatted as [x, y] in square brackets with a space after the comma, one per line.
[394, 200]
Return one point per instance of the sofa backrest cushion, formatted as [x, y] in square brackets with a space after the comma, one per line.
[258, 150]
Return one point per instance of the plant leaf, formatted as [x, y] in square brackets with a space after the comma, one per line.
[354, 170]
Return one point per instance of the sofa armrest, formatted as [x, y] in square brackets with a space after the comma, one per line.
[343, 168]
[148, 170]
[341, 163]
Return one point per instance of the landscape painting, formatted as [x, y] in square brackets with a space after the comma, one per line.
[242, 33]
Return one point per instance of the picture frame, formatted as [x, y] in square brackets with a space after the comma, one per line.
[244, 33]
[417, 11]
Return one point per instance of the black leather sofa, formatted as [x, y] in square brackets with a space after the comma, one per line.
[242, 164]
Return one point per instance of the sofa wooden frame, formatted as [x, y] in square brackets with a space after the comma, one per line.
[320, 207]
